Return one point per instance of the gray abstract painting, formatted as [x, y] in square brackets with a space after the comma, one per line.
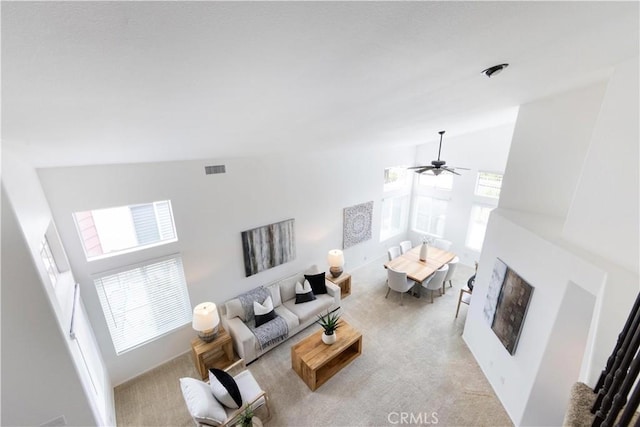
[495, 284]
[268, 246]
[357, 224]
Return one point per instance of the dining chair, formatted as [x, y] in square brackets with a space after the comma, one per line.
[398, 281]
[443, 244]
[405, 246]
[465, 297]
[452, 267]
[394, 252]
[436, 280]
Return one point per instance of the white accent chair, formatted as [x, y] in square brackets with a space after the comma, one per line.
[398, 281]
[452, 267]
[443, 244]
[207, 411]
[394, 252]
[405, 246]
[436, 280]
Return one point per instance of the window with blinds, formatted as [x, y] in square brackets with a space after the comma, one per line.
[111, 231]
[144, 302]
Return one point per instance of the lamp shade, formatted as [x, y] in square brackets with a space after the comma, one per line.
[205, 317]
[335, 258]
[336, 261]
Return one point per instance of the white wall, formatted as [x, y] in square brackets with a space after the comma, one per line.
[601, 218]
[549, 242]
[550, 142]
[485, 150]
[549, 269]
[210, 213]
[39, 381]
[26, 202]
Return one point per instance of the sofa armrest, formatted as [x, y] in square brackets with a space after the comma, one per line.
[243, 339]
[333, 290]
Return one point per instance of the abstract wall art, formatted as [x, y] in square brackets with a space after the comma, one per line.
[493, 292]
[268, 246]
[513, 302]
[357, 224]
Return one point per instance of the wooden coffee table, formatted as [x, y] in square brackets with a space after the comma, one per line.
[315, 362]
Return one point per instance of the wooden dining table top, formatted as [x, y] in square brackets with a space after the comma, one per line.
[417, 270]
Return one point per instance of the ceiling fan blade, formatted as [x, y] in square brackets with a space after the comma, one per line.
[462, 169]
[416, 167]
[424, 169]
[451, 170]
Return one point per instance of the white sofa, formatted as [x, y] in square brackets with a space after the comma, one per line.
[297, 316]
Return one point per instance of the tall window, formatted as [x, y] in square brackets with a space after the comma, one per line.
[49, 262]
[488, 184]
[444, 181]
[395, 178]
[395, 211]
[106, 232]
[430, 215]
[144, 302]
[478, 226]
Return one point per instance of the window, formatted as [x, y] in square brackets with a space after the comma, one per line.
[488, 184]
[395, 211]
[477, 226]
[395, 178]
[144, 302]
[49, 262]
[107, 232]
[430, 215]
[444, 181]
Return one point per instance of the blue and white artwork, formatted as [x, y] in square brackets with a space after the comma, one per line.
[268, 246]
[493, 292]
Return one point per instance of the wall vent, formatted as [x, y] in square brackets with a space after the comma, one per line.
[210, 170]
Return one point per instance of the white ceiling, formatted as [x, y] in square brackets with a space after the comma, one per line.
[113, 82]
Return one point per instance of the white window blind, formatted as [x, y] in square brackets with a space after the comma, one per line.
[478, 221]
[110, 231]
[395, 211]
[144, 302]
[488, 184]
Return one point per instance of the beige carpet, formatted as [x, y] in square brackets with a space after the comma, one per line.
[414, 365]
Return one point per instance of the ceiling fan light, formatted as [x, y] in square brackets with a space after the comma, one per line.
[495, 70]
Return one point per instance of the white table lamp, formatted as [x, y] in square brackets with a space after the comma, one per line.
[206, 321]
[336, 262]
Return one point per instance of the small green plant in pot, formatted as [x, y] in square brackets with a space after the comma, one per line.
[329, 322]
[246, 417]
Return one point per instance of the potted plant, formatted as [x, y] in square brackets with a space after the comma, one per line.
[329, 322]
[246, 417]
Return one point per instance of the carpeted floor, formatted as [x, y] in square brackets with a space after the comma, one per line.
[414, 369]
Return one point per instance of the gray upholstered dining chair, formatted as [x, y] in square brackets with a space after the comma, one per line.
[398, 281]
[436, 280]
[443, 244]
[405, 246]
[452, 267]
[394, 252]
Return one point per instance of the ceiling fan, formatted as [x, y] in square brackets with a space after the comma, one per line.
[437, 166]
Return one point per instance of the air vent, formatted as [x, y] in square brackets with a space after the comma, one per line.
[210, 170]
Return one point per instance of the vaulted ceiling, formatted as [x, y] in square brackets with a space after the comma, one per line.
[111, 82]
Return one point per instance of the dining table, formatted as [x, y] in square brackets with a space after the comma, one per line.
[418, 271]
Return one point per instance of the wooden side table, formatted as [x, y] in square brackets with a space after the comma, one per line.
[215, 354]
[344, 281]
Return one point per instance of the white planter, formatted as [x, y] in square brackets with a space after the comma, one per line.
[329, 339]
